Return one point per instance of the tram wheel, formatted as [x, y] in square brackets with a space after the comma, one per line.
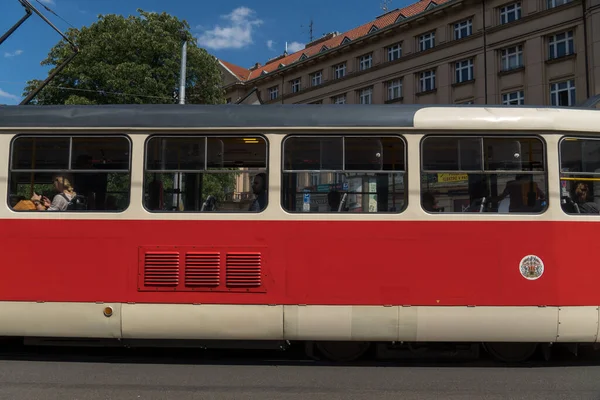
[343, 351]
[511, 352]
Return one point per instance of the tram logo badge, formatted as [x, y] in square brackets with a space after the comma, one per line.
[531, 267]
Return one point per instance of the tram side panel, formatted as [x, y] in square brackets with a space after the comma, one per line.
[424, 263]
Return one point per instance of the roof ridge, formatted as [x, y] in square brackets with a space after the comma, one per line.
[314, 47]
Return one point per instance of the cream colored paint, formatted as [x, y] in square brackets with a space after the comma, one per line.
[578, 324]
[59, 319]
[202, 321]
[296, 322]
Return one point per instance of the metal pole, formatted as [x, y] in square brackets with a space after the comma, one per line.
[15, 26]
[177, 183]
[182, 73]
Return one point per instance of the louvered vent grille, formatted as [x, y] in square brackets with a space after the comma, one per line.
[161, 269]
[202, 269]
[244, 269]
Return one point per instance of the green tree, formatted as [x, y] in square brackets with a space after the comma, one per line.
[130, 60]
[133, 60]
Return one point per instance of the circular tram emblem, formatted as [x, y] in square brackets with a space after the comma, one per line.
[531, 267]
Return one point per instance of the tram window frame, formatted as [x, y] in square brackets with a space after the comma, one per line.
[71, 169]
[482, 137]
[206, 169]
[569, 201]
[344, 169]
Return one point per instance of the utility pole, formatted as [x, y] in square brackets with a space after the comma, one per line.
[183, 69]
[177, 178]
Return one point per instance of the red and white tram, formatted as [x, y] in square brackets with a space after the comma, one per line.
[377, 224]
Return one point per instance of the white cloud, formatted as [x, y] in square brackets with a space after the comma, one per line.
[13, 54]
[237, 33]
[294, 47]
[270, 44]
[7, 95]
[49, 2]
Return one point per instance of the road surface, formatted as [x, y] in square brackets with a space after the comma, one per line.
[75, 374]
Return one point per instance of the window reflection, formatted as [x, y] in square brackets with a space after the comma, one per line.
[344, 174]
[483, 174]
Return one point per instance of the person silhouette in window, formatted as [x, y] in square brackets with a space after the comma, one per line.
[259, 188]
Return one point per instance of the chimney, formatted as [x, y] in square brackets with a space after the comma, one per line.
[256, 66]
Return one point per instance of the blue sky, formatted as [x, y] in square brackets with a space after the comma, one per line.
[241, 32]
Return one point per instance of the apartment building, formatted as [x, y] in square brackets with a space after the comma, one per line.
[532, 52]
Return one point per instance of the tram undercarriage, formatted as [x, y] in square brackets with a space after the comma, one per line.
[344, 351]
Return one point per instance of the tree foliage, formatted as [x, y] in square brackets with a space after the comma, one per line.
[130, 60]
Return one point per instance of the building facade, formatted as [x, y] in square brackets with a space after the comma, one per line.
[530, 52]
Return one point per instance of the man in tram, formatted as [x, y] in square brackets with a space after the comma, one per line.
[524, 194]
[259, 188]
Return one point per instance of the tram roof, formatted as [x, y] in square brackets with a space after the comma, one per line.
[228, 116]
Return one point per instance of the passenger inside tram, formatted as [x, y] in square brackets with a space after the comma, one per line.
[63, 200]
[579, 203]
[259, 188]
[429, 202]
[69, 173]
[523, 194]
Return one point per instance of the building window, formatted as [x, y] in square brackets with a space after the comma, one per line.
[512, 57]
[204, 174]
[295, 84]
[514, 98]
[365, 96]
[316, 78]
[339, 71]
[427, 41]
[510, 13]
[464, 71]
[477, 166]
[579, 168]
[365, 62]
[463, 29]
[356, 174]
[94, 171]
[394, 89]
[561, 45]
[563, 93]
[394, 52]
[427, 80]
[339, 99]
[556, 3]
[273, 92]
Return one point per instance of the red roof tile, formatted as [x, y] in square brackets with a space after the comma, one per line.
[381, 22]
[241, 73]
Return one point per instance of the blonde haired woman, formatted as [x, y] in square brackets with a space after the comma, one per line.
[61, 201]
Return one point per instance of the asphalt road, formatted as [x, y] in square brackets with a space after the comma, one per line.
[108, 375]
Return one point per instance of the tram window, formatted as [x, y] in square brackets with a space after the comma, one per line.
[580, 175]
[361, 174]
[483, 174]
[205, 174]
[94, 169]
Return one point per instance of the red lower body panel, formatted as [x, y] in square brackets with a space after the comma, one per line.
[301, 262]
